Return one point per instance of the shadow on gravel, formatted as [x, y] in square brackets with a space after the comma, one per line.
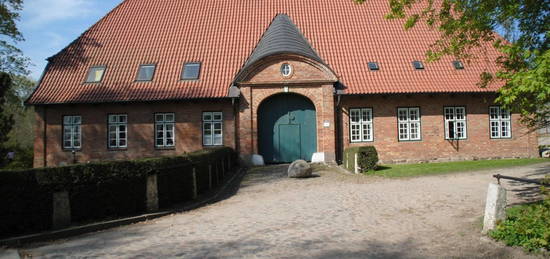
[527, 192]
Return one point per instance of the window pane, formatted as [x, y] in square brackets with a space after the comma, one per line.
[191, 71]
[460, 113]
[207, 116]
[451, 130]
[403, 114]
[159, 117]
[95, 74]
[169, 117]
[414, 114]
[494, 113]
[146, 72]
[217, 116]
[354, 115]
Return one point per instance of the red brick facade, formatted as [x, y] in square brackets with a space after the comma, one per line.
[49, 150]
[433, 146]
[240, 128]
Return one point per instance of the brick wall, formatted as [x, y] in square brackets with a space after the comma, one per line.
[140, 130]
[309, 79]
[433, 145]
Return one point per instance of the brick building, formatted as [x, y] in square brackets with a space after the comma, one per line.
[281, 78]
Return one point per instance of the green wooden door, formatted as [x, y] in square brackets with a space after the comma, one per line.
[287, 129]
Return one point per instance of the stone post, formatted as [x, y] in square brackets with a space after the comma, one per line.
[152, 202]
[61, 216]
[195, 191]
[356, 165]
[495, 207]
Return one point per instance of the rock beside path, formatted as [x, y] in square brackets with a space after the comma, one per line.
[299, 169]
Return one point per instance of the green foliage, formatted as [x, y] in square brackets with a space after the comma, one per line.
[527, 226]
[367, 158]
[11, 58]
[23, 158]
[467, 25]
[6, 120]
[105, 189]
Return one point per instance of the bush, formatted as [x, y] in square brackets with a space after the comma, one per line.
[101, 190]
[367, 158]
[527, 226]
[23, 159]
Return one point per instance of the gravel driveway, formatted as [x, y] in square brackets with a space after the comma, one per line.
[330, 216]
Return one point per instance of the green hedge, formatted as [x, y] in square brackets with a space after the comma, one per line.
[367, 157]
[103, 190]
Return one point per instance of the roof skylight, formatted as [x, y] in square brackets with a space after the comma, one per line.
[418, 64]
[191, 71]
[95, 74]
[373, 66]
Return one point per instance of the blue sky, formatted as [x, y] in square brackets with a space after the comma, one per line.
[50, 25]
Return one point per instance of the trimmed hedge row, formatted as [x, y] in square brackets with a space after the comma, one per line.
[104, 189]
[367, 158]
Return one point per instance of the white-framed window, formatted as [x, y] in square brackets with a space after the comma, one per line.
[455, 123]
[500, 122]
[72, 136]
[118, 130]
[360, 124]
[212, 128]
[286, 70]
[409, 124]
[165, 124]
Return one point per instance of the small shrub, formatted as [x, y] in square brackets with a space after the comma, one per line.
[367, 158]
[527, 226]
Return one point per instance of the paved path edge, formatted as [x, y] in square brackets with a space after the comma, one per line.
[79, 230]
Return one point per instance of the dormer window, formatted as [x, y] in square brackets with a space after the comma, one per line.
[95, 74]
[458, 64]
[418, 65]
[191, 71]
[373, 66]
[146, 72]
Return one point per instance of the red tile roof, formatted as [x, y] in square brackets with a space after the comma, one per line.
[222, 34]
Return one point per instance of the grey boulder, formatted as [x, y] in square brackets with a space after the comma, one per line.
[299, 169]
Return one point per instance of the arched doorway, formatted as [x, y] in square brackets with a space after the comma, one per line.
[287, 128]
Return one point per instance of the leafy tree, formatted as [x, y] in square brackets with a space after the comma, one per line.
[6, 121]
[468, 24]
[21, 135]
[11, 58]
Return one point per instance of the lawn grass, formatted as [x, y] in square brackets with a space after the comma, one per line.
[409, 170]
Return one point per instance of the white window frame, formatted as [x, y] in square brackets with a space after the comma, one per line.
[456, 115]
[498, 119]
[117, 131]
[406, 122]
[165, 124]
[72, 132]
[212, 128]
[361, 125]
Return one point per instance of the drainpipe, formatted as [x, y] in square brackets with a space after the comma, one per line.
[338, 126]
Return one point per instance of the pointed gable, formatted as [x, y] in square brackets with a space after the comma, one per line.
[282, 37]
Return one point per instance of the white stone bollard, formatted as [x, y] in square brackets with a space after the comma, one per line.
[61, 216]
[356, 166]
[495, 207]
[152, 202]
